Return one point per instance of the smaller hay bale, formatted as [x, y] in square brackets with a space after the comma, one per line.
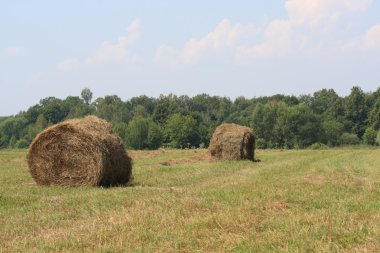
[79, 152]
[233, 142]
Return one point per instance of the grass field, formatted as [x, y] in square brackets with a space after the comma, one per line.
[181, 201]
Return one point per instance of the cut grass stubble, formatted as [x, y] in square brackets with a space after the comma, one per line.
[293, 201]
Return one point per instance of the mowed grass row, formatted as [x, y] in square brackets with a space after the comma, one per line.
[292, 201]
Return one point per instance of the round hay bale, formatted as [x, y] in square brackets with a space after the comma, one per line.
[233, 142]
[79, 152]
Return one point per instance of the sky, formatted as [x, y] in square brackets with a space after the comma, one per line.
[228, 48]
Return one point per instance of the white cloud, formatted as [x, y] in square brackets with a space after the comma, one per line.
[368, 42]
[228, 39]
[118, 51]
[68, 64]
[107, 52]
[321, 13]
[309, 29]
[287, 36]
[371, 40]
[223, 38]
[276, 42]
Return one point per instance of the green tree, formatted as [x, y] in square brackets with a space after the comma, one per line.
[12, 142]
[143, 133]
[284, 129]
[86, 95]
[378, 138]
[12, 129]
[308, 129]
[155, 135]
[326, 102]
[349, 139]
[53, 110]
[75, 108]
[121, 129]
[137, 133]
[374, 117]
[205, 133]
[32, 113]
[147, 102]
[80, 110]
[35, 128]
[165, 107]
[22, 143]
[264, 120]
[370, 136]
[356, 110]
[112, 109]
[241, 111]
[283, 126]
[182, 131]
[333, 130]
[140, 110]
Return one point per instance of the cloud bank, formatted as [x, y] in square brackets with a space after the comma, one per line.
[308, 30]
[108, 51]
[118, 51]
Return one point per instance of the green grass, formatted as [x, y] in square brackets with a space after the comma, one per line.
[292, 201]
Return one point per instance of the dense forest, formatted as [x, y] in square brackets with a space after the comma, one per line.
[279, 121]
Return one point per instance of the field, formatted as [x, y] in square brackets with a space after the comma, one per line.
[182, 201]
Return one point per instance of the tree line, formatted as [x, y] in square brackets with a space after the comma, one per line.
[143, 122]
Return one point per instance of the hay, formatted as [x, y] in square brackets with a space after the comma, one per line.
[232, 142]
[79, 152]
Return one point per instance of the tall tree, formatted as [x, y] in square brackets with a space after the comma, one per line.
[356, 110]
[86, 95]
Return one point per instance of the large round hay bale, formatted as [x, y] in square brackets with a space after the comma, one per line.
[233, 142]
[79, 152]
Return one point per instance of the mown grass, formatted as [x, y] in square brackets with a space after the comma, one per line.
[292, 201]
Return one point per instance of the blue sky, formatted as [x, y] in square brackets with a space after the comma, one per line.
[228, 48]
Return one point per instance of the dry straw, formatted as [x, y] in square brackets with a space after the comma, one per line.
[79, 152]
[232, 142]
